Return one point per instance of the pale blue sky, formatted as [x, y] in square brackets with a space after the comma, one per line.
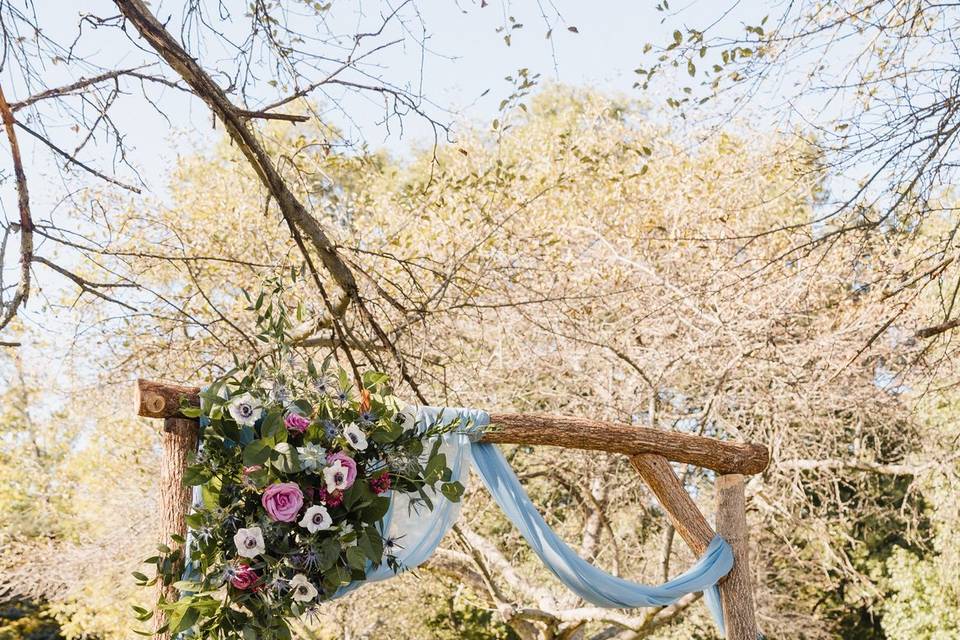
[466, 57]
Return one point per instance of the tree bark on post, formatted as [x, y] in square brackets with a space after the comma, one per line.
[178, 438]
[736, 591]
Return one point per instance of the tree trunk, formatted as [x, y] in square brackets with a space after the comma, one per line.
[178, 438]
[736, 592]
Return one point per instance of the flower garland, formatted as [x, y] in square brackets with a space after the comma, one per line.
[296, 477]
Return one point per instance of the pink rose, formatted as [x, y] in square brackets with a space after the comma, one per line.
[244, 577]
[296, 423]
[348, 463]
[282, 500]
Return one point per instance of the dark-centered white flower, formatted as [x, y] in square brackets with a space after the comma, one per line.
[317, 518]
[245, 410]
[249, 542]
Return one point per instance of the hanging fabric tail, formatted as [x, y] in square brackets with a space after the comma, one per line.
[581, 577]
[424, 530]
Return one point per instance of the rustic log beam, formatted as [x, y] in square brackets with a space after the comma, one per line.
[160, 400]
[583, 433]
[683, 513]
[178, 438]
[736, 591]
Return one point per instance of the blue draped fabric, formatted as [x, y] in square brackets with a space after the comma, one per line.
[581, 577]
[417, 531]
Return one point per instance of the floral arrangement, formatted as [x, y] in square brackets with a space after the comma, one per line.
[296, 474]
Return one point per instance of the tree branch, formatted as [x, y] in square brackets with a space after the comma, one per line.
[26, 221]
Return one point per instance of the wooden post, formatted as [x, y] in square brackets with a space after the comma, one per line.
[178, 438]
[736, 592]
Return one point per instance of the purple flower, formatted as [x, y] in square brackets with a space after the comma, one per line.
[244, 577]
[330, 429]
[282, 500]
[296, 423]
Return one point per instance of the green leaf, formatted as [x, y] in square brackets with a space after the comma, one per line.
[181, 621]
[196, 475]
[328, 552]
[272, 427]
[357, 496]
[356, 558]
[285, 459]
[387, 433]
[376, 510]
[372, 546]
[452, 491]
[257, 452]
[373, 379]
[435, 468]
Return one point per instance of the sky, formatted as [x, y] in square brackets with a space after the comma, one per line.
[461, 71]
[466, 57]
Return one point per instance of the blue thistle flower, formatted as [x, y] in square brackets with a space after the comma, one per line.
[330, 429]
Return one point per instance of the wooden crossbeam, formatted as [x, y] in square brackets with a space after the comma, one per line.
[161, 400]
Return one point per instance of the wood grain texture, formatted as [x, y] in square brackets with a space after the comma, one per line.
[736, 590]
[583, 433]
[683, 512]
[161, 400]
[178, 438]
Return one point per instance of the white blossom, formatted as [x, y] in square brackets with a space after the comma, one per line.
[249, 542]
[346, 531]
[335, 476]
[245, 410]
[311, 456]
[301, 589]
[355, 436]
[407, 418]
[317, 518]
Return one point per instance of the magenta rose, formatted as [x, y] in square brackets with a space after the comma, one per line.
[282, 500]
[296, 423]
[349, 465]
[244, 577]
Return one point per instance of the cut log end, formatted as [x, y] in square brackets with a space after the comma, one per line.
[163, 400]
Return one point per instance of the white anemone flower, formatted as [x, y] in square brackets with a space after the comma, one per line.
[245, 410]
[317, 518]
[335, 476]
[407, 418]
[355, 436]
[249, 542]
[312, 457]
[301, 589]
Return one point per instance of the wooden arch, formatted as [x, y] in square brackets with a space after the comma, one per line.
[650, 452]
